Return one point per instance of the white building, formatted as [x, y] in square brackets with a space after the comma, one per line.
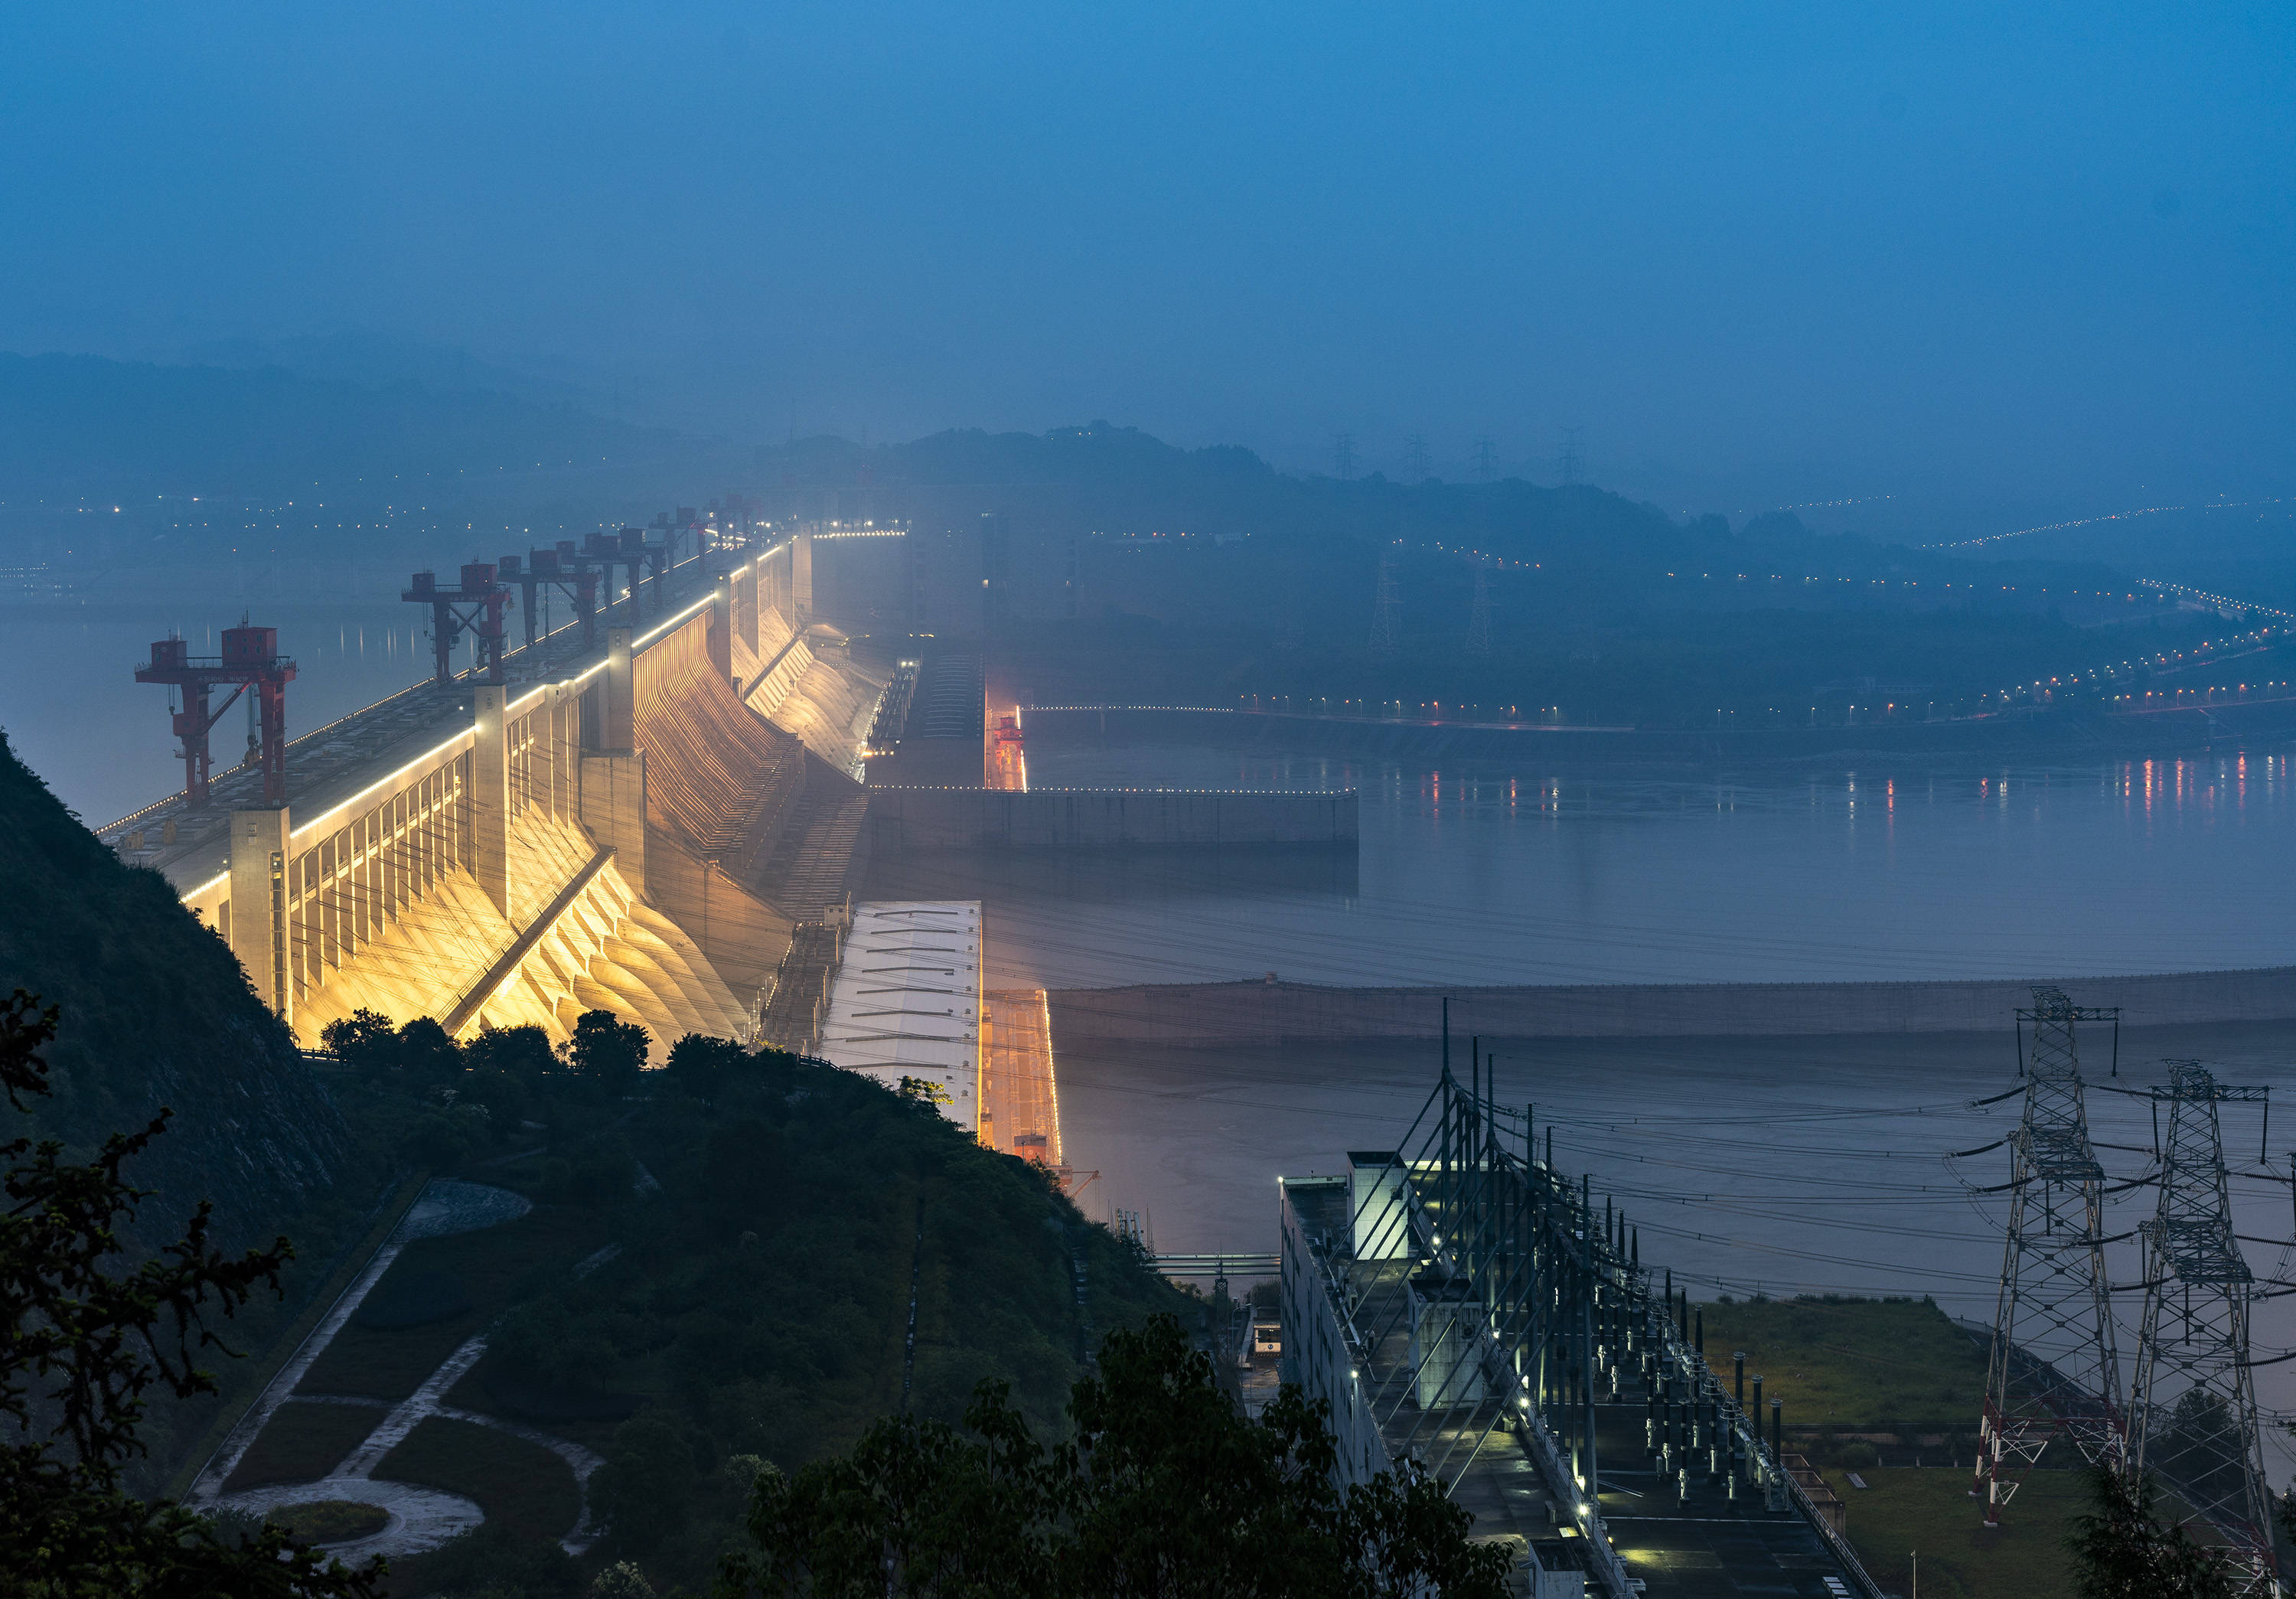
[906, 1000]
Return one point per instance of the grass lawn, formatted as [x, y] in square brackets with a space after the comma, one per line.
[1856, 1366]
[490, 1388]
[302, 1442]
[332, 1520]
[523, 1487]
[493, 1266]
[1929, 1510]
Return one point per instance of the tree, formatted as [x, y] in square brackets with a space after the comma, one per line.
[607, 1051]
[80, 1345]
[703, 1066]
[645, 1487]
[1163, 1489]
[926, 1091]
[524, 1051]
[2121, 1550]
[364, 1040]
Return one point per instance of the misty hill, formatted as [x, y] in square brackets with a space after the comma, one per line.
[81, 426]
[1119, 482]
[1141, 572]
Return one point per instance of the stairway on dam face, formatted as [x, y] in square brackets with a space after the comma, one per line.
[812, 867]
[791, 1017]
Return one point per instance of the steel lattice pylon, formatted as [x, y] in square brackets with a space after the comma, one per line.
[1384, 607]
[2194, 1401]
[2054, 1372]
[1479, 616]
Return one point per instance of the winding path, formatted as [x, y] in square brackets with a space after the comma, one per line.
[421, 1518]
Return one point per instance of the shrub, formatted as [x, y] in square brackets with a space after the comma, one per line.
[643, 1490]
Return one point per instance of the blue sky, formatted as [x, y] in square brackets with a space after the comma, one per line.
[2002, 256]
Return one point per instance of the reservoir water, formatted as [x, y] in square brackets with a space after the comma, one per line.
[1535, 873]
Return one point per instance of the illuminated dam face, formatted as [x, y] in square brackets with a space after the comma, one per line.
[636, 832]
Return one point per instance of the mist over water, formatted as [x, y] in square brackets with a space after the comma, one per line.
[1532, 872]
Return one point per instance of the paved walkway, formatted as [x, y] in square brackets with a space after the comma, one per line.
[421, 1518]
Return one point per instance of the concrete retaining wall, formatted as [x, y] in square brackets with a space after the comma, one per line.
[903, 819]
[1258, 1013]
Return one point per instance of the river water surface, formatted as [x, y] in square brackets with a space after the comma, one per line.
[1531, 873]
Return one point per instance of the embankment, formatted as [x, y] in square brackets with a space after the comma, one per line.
[1272, 1012]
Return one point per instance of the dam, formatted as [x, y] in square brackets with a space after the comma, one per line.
[663, 810]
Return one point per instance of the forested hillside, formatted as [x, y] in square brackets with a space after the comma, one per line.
[158, 1015]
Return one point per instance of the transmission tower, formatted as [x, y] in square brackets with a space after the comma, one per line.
[2194, 1401]
[1571, 460]
[1415, 469]
[1487, 460]
[2054, 1372]
[1384, 608]
[1479, 620]
[1343, 455]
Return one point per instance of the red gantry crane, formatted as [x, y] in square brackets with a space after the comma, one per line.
[477, 606]
[251, 663]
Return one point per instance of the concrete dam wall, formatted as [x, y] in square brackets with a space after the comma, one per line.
[1264, 1013]
[906, 819]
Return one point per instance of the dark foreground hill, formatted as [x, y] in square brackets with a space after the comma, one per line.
[157, 1013]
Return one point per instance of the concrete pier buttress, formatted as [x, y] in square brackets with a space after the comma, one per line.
[721, 627]
[614, 810]
[490, 854]
[259, 852]
[617, 694]
[800, 588]
[746, 587]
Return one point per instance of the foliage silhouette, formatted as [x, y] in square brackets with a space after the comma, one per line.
[1163, 1488]
[83, 1344]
